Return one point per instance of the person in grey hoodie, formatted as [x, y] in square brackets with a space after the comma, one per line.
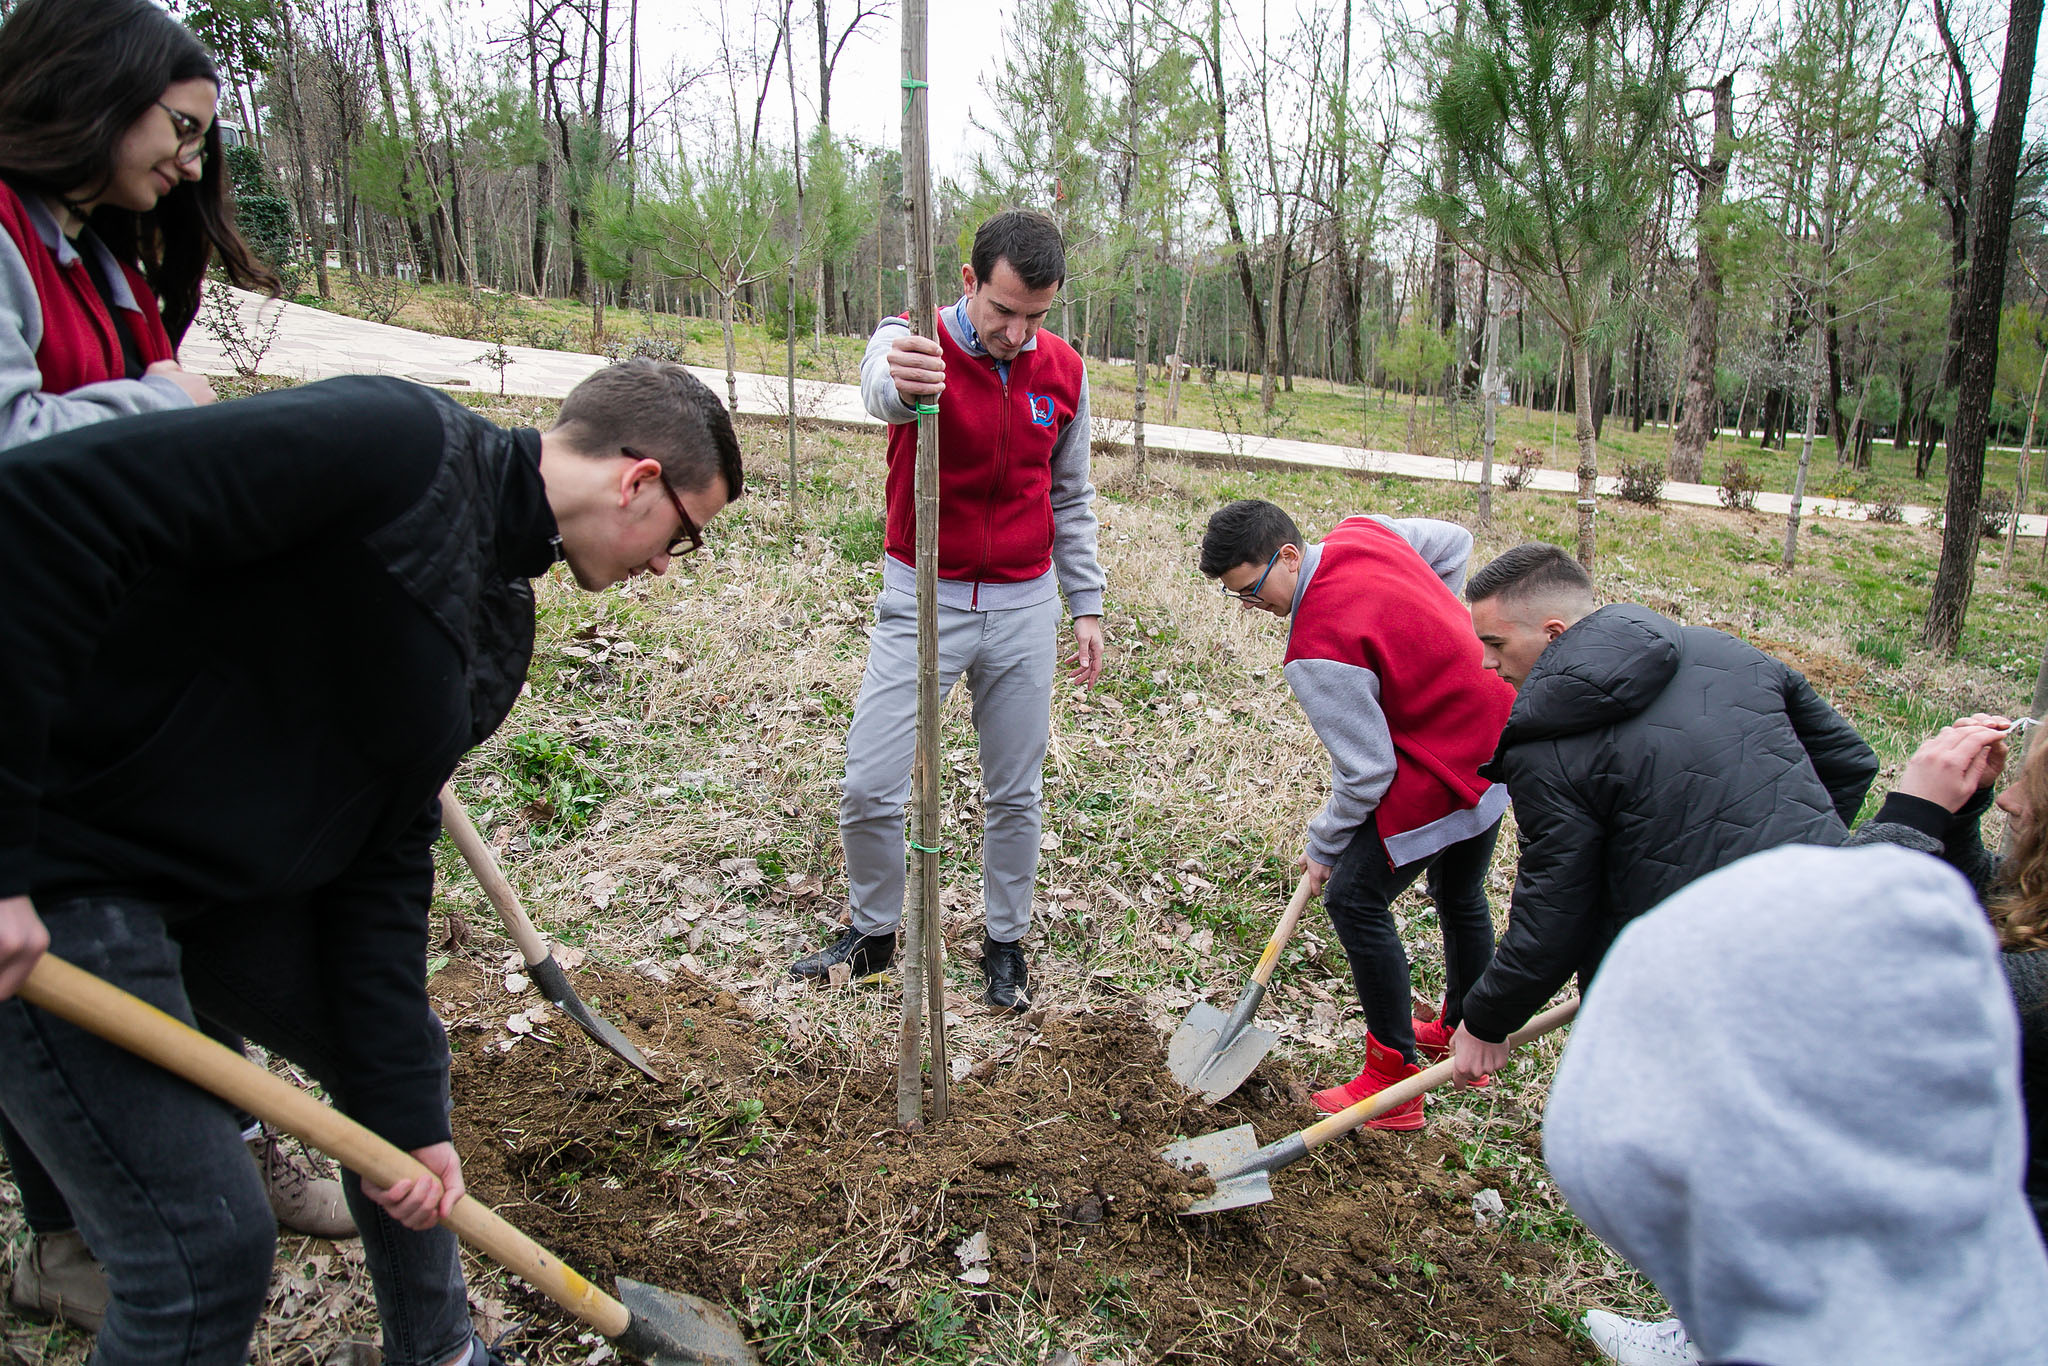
[1858, 1202]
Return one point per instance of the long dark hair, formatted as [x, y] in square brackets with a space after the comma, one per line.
[77, 75]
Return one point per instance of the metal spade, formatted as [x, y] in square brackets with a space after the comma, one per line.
[1212, 1053]
[541, 966]
[1243, 1171]
[658, 1326]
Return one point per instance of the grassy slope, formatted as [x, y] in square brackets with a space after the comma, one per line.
[1175, 793]
[673, 724]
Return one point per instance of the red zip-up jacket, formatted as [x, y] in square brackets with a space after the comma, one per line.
[79, 345]
[997, 443]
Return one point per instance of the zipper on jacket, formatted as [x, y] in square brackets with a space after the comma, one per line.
[1001, 465]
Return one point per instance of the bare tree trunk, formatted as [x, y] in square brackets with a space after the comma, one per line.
[2019, 491]
[1791, 551]
[1589, 452]
[311, 220]
[1956, 575]
[1269, 375]
[1489, 381]
[1703, 323]
[374, 23]
[1179, 359]
[1141, 324]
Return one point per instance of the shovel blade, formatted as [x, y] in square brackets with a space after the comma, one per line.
[1203, 1061]
[1218, 1155]
[547, 974]
[673, 1329]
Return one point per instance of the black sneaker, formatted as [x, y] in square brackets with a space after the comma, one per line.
[866, 954]
[1009, 980]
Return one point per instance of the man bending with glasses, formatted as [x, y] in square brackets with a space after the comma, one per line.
[1015, 531]
[1381, 657]
[246, 644]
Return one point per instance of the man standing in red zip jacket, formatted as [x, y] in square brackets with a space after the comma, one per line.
[1016, 529]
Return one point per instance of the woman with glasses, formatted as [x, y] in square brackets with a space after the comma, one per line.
[113, 204]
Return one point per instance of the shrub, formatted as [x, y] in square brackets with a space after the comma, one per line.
[1994, 511]
[1528, 459]
[381, 297]
[1885, 507]
[648, 345]
[1642, 482]
[1740, 486]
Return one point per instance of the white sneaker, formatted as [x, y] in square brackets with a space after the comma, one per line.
[1632, 1342]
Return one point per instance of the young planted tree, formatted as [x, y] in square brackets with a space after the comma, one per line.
[1417, 359]
[1554, 109]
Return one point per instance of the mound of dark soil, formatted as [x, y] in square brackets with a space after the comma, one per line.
[757, 1158]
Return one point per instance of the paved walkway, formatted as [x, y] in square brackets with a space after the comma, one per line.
[312, 344]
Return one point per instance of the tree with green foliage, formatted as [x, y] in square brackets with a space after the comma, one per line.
[1555, 111]
[1416, 358]
[262, 214]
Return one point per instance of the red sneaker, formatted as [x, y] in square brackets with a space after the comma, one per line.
[1383, 1067]
[1432, 1040]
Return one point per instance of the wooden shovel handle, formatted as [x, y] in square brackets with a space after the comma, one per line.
[1428, 1079]
[1284, 931]
[455, 820]
[101, 1008]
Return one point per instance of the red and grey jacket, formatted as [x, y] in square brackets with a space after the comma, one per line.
[1381, 656]
[1015, 518]
[61, 362]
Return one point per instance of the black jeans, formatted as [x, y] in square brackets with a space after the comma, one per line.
[1362, 889]
[155, 1171]
[42, 1204]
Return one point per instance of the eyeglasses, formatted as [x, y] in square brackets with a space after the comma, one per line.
[691, 537]
[1252, 594]
[191, 136]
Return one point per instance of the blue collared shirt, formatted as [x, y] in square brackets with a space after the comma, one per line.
[970, 340]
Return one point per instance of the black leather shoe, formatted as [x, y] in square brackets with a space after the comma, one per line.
[1009, 980]
[866, 954]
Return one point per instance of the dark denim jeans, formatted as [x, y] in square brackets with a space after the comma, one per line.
[155, 1171]
[1362, 888]
[42, 1204]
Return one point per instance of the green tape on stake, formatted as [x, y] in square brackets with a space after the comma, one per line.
[926, 848]
[928, 409]
[913, 85]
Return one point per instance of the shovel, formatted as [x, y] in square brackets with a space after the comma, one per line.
[1212, 1053]
[654, 1325]
[1241, 1168]
[541, 966]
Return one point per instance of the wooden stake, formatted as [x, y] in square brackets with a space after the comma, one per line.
[923, 949]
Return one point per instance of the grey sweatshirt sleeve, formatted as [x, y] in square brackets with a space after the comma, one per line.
[1445, 546]
[26, 412]
[1342, 702]
[877, 390]
[1073, 515]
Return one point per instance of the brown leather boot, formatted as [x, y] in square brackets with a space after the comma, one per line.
[59, 1278]
[302, 1202]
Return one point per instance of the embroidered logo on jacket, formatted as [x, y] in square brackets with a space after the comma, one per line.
[1041, 408]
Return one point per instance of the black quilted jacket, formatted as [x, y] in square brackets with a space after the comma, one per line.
[245, 645]
[1640, 755]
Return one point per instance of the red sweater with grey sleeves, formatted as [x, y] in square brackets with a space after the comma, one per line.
[1381, 656]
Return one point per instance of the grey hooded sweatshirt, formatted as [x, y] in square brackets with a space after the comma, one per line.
[1791, 1099]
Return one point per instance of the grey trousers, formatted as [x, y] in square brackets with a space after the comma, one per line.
[1007, 658]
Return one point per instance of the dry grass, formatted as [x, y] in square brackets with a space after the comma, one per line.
[697, 724]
